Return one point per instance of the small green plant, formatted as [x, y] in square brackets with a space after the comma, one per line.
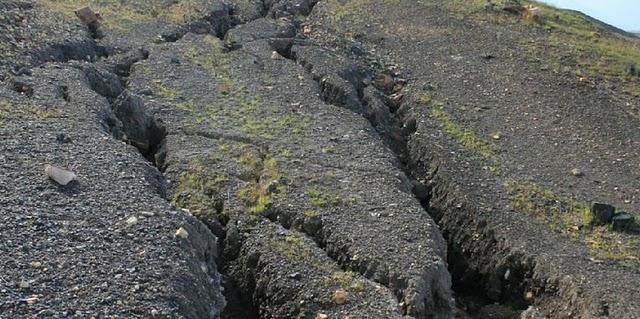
[43, 113]
[163, 90]
[322, 199]
[347, 280]
[197, 188]
[258, 195]
[292, 246]
[464, 136]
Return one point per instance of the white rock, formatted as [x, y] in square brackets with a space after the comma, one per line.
[182, 233]
[275, 56]
[132, 221]
[59, 175]
[24, 284]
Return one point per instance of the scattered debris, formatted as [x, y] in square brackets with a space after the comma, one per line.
[181, 233]
[321, 316]
[36, 264]
[59, 175]
[602, 213]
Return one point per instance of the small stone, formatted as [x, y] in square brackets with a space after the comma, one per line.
[147, 214]
[59, 175]
[295, 275]
[322, 316]
[340, 296]
[87, 16]
[602, 213]
[30, 301]
[181, 233]
[63, 138]
[132, 221]
[488, 6]
[275, 55]
[528, 296]
[496, 136]
[577, 172]
[532, 313]
[36, 264]
[23, 284]
[155, 313]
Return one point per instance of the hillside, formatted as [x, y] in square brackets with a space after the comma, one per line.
[317, 159]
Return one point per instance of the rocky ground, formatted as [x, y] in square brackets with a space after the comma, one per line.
[303, 159]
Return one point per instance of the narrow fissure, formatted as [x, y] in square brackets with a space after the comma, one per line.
[473, 289]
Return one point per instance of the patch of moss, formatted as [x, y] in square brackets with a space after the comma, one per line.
[292, 246]
[163, 90]
[464, 136]
[347, 280]
[612, 246]
[258, 195]
[239, 105]
[5, 107]
[197, 188]
[43, 113]
[573, 219]
[563, 214]
[121, 15]
[323, 199]
[311, 213]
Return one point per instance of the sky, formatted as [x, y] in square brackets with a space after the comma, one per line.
[624, 14]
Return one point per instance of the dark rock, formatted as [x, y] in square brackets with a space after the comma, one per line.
[631, 69]
[602, 213]
[63, 138]
[621, 220]
[23, 85]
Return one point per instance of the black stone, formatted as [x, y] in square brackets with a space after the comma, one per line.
[63, 138]
[602, 213]
[621, 220]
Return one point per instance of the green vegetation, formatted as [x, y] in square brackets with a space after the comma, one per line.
[240, 106]
[311, 213]
[596, 51]
[120, 15]
[43, 113]
[347, 280]
[5, 107]
[258, 195]
[466, 137]
[163, 90]
[563, 214]
[572, 219]
[292, 246]
[322, 199]
[197, 188]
